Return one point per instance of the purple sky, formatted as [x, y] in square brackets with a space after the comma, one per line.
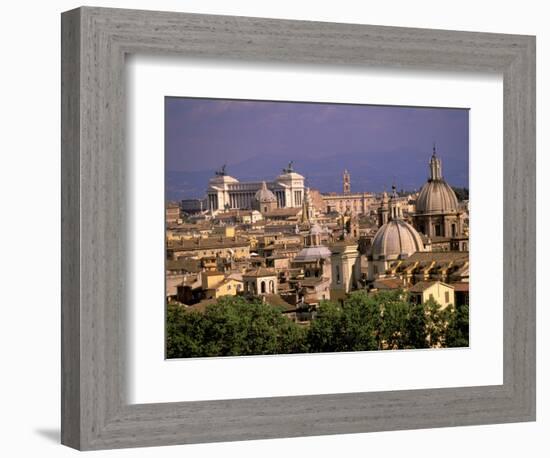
[379, 145]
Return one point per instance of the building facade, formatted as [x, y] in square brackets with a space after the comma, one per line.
[346, 269]
[359, 203]
[173, 213]
[225, 192]
[260, 281]
[438, 291]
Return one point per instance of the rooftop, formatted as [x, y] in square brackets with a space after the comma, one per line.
[210, 242]
[422, 286]
[185, 264]
[212, 273]
[277, 301]
[260, 272]
[388, 283]
[439, 256]
[462, 287]
[283, 212]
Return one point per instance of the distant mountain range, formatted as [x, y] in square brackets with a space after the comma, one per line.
[372, 172]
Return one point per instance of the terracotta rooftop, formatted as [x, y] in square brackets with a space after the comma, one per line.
[260, 272]
[277, 301]
[185, 264]
[212, 273]
[388, 283]
[424, 285]
[462, 287]
[283, 212]
[206, 243]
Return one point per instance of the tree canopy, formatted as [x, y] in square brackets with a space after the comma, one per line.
[232, 326]
[387, 320]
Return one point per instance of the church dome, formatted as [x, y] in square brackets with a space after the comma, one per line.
[312, 253]
[265, 195]
[436, 196]
[396, 239]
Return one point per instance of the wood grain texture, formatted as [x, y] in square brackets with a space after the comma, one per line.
[70, 229]
[96, 414]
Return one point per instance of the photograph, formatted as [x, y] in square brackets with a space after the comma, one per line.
[299, 227]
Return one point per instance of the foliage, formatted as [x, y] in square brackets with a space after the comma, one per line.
[457, 334]
[232, 326]
[386, 320]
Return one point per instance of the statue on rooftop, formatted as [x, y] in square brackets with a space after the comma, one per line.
[289, 168]
[221, 172]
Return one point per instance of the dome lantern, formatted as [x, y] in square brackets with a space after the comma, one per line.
[436, 196]
[435, 167]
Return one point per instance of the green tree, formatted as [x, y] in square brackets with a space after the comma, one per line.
[325, 331]
[232, 326]
[436, 323]
[385, 320]
[360, 321]
[417, 327]
[458, 328]
[184, 333]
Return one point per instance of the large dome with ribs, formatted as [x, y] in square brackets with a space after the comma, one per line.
[396, 239]
[436, 196]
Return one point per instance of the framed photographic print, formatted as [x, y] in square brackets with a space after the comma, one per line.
[286, 228]
[349, 269]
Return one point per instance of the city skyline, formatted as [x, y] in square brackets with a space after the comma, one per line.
[379, 145]
[281, 255]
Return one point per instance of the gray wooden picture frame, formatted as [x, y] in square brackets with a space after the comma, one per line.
[95, 411]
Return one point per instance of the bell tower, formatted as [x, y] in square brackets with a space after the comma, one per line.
[347, 182]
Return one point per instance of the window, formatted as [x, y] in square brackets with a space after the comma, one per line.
[338, 274]
[262, 287]
[446, 297]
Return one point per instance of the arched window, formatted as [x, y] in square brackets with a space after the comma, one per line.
[338, 274]
[262, 287]
[271, 286]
